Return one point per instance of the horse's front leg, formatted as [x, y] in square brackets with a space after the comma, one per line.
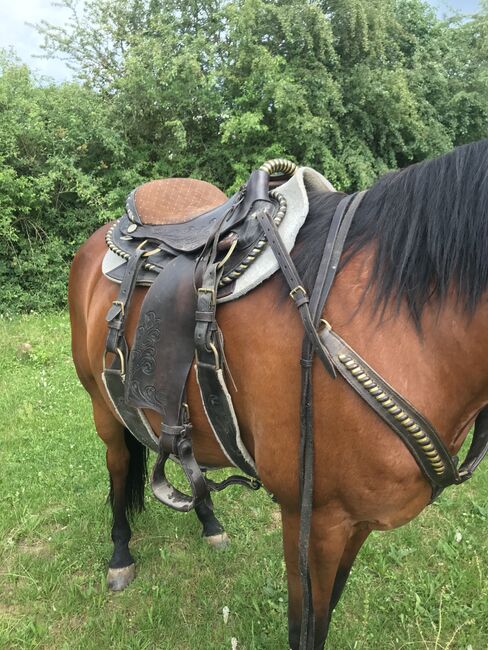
[353, 546]
[329, 536]
[126, 463]
[213, 532]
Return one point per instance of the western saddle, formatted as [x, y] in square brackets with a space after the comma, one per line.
[190, 243]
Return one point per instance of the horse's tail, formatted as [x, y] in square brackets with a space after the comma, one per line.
[136, 476]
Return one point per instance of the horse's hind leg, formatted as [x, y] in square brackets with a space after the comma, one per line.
[329, 537]
[126, 463]
[213, 531]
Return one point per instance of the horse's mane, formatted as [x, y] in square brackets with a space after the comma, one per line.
[429, 226]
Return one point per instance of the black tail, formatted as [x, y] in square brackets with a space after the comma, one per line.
[136, 476]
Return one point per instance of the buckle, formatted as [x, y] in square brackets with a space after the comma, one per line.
[122, 362]
[207, 290]
[326, 324]
[121, 305]
[294, 291]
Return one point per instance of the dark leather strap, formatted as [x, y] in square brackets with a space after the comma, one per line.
[118, 311]
[132, 418]
[210, 355]
[415, 431]
[334, 245]
[478, 448]
[158, 370]
[333, 248]
[297, 291]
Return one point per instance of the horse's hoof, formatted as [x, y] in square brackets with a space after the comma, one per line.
[118, 579]
[219, 541]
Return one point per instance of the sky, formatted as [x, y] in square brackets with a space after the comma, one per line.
[15, 33]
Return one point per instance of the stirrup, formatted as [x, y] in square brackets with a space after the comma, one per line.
[167, 493]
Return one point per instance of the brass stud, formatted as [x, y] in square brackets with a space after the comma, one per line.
[356, 371]
[381, 397]
[401, 416]
[418, 434]
[413, 428]
[406, 423]
[369, 384]
[351, 364]
[394, 410]
[389, 402]
[375, 391]
[132, 227]
[362, 377]
[343, 358]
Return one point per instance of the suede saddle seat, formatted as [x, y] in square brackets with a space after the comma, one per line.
[182, 214]
[169, 201]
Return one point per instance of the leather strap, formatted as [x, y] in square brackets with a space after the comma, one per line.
[118, 311]
[478, 448]
[414, 430]
[297, 291]
[210, 355]
[333, 248]
[167, 316]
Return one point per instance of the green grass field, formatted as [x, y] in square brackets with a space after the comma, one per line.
[423, 586]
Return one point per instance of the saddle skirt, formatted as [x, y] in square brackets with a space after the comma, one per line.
[251, 270]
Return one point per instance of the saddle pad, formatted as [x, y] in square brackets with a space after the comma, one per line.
[295, 191]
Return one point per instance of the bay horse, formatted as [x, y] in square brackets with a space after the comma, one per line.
[410, 297]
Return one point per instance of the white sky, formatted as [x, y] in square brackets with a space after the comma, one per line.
[14, 14]
[15, 33]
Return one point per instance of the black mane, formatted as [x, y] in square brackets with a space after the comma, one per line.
[429, 225]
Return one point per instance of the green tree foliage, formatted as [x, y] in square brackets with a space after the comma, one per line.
[210, 88]
[57, 149]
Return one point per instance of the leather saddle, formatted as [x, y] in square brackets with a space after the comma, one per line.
[189, 242]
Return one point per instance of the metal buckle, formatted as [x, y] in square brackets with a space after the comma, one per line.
[294, 291]
[206, 290]
[326, 324]
[122, 362]
[185, 413]
[122, 308]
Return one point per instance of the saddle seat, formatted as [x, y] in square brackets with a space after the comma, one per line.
[172, 212]
[176, 200]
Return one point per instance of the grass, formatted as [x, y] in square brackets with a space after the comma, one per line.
[421, 587]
